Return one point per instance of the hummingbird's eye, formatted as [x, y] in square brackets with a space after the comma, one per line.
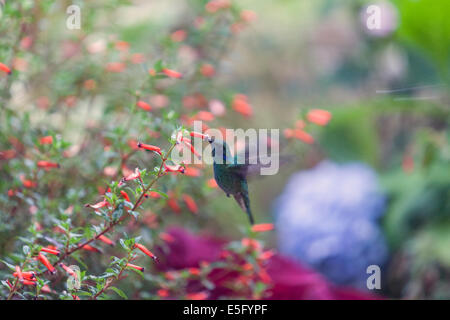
[211, 139]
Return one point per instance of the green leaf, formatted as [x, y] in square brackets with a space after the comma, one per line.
[119, 292]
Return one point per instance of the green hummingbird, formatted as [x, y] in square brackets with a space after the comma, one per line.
[230, 176]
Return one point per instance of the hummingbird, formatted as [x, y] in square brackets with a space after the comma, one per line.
[230, 176]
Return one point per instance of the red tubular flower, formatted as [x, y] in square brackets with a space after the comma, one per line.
[192, 172]
[43, 259]
[125, 195]
[198, 135]
[194, 271]
[163, 293]
[29, 282]
[106, 240]
[178, 35]
[204, 116]
[129, 265]
[303, 136]
[197, 296]
[172, 73]
[51, 251]
[75, 297]
[166, 237]
[190, 146]
[47, 164]
[262, 227]
[46, 140]
[27, 275]
[175, 168]
[190, 203]
[98, 205]
[319, 117]
[149, 147]
[241, 105]
[144, 105]
[19, 273]
[68, 270]
[115, 67]
[207, 70]
[88, 247]
[172, 203]
[5, 68]
[134, 175]
[145, 250]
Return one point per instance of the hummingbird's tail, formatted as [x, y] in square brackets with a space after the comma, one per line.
[244, 202]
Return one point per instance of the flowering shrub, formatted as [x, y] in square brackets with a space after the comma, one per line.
[84, 203]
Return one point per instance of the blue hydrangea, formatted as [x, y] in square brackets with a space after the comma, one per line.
[328, 218]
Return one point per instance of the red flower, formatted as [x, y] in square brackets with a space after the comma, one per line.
[192, 172]
[134, 175]
[68, 270]
[241, 105]
[98, 205]
[190, 203]
[191, 147]
[46, 140]
[75, 297]
[207, 70]
[43, 259]
[163, 293]
[172, 203]
[115, 67]
[204, 116]
[144, 105]
[178, 36]
[125, 195]
[197, 296]
[303, 136]
[198, 135]
[88, 247]
[5, 68]
[47, 164]
[172, 73]
[27, 275]
[106, 240]
[19, 273]
[149, 147]
[129, 265]
[174, 168]
[29, 282]
[144, 250]
[319, 117]
[51, 251]
[212, 183]
[262, 227]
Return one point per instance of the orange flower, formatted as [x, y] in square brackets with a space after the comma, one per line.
[153, 194]
[88, 247]
[5, 68]
[204, 116]
[262, 227]
[216, 5]
[173, 168]
[178, 36]
[137, 58]
[190, 203]
[197, 296]
[166, 237]
[19, 273]
[46, 140]
[27, 275]
[43, 259]
[27, 183]
[90, 84]
[194, 271]
[68, 270]
[105, 240]
[125, 195]
[207, 70]
[212, 183]
[75, 297]
[163, 293]
[192, 172]
[241, 105]
[144, 105]
[129, 265]
[198, 135]
[144, 250]
[47, 164]
[172, 203]
[122, 45]
[319, 117]
[98, 205]
[51, 251]
[115, 67]
[303, 136]
[29, 282]
[172, 73]
[149, 147]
